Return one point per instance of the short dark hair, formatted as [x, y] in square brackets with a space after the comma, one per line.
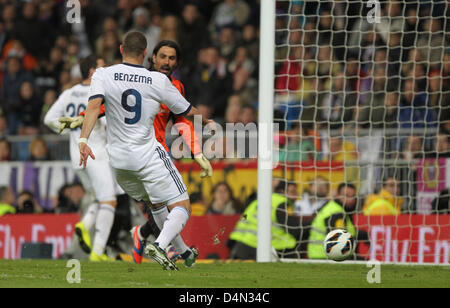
[345, 185]
[134, 43]
[86, 64]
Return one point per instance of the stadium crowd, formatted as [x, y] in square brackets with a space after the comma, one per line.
[335, 71]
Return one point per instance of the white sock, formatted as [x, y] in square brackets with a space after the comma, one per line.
[103, 225]
[160, 216]
[174, 224]
[90, 216]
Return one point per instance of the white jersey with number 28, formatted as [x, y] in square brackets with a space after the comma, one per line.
[132, 97]
[69, 104]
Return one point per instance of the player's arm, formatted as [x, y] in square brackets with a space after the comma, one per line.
[96, 97]
[75, 122]
[90, 118]
[56, 111]
[187, 131]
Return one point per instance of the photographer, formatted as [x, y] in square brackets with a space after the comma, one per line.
[26, 204]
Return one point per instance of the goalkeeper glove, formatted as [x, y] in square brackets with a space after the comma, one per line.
[204, 163]
[70, 122]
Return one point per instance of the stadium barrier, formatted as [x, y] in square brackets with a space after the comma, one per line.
[394, 239]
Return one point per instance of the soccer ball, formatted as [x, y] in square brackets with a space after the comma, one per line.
[339, 245]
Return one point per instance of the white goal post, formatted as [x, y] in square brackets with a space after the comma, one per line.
[266, 105]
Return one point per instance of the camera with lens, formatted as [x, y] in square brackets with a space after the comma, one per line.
[28, 207]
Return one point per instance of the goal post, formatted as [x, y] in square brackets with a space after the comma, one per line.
[265, 140]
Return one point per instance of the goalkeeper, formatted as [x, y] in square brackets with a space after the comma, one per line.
[165, 59]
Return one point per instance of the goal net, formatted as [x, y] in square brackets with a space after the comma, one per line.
[362, 98]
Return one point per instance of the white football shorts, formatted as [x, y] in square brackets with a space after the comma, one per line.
[158, 181]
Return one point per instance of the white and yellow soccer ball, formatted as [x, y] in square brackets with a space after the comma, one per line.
[339, 245]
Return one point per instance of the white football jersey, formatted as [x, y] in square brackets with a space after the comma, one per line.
[69, 104]
[132, 97]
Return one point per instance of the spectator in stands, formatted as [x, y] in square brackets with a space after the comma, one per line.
[36, 35]
[414, 111]
[242, 68]
[14, 48]
[193, 34]
[390, 21]
[372, 107]
[110, 48]
[31, 108]
[250, 41]
[413, 148]
[9, 17]
[26, 204]
[313, 198]
[169, 28]
[48, 70]
[10, 98]
[339, 105]
[438, 95]
[109, 26]
[5, 150]
[354, 75]
[387, 201]
[223, 201]
[248, 115]
[227, 43]
[431, 42]
[299, 146]
[331, 34]
[391, 102]
[412, 25]
[233, 111]
[210, 82]
[6, 201]
[441, 147]
[39, 150]
[229, 13]
[394, 55]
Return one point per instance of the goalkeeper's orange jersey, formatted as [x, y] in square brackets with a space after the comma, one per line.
[163, 118]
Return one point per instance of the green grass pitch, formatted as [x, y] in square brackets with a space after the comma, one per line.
[37, 273]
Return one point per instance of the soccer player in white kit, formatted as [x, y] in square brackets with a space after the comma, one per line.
[132, 96]
[99, 178]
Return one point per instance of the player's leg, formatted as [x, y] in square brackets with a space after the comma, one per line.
[132, 183]
[88, 221]
[140, 233]
[167, 191]
[104, 184]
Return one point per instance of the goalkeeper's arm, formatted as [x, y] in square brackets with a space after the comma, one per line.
[77, 121]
